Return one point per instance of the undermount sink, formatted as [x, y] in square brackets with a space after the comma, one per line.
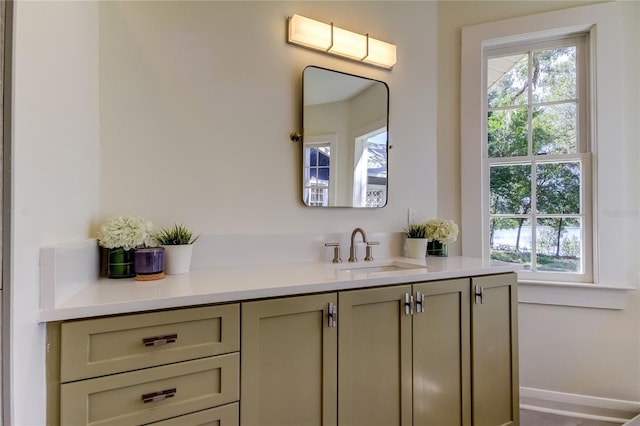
[380, 266]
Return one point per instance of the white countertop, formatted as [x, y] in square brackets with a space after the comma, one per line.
[226, 284]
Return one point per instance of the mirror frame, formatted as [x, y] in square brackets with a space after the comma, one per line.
[305, 137]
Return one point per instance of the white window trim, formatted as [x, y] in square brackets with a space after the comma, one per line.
[602, 22]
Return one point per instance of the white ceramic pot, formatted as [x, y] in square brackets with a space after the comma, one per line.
[177, 259]
[416, 247]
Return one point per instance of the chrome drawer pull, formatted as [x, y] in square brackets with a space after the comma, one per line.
[158, 396]
[160, 340]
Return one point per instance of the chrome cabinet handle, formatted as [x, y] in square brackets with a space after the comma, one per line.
[160, 340]
[419, 302]
[158, 396]
[408, 304]
[479, 293]
[332, 315]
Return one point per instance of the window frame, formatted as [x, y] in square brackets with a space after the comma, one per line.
[582, 41]
[614, 87]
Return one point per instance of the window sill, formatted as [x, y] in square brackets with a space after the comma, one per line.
[573, 294]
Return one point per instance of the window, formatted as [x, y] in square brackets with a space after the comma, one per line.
[608, 120]
[370, 169]
[537, 158]
[317, 163]
[319, 170]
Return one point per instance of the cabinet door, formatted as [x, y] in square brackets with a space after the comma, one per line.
[441, 354]
[494, 345]
[374, 358]
[289, 356]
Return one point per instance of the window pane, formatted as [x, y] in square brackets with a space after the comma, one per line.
[507, 133]
[558, 188]
[507, 80]
[510, 240]
[554, 129]
[559, 245]
[510, 187]
[554, 74]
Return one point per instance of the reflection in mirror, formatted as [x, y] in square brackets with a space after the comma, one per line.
[345, 143]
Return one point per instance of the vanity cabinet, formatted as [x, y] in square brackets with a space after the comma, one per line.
[169, 367]
[398, 362]
[416, 354]
[289, 361]
[494, 346]
[442, 354]
[403, 355]
[374, 357]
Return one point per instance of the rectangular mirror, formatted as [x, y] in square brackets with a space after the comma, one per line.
[345, 139]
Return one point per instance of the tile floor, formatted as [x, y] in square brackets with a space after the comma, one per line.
[534, 418]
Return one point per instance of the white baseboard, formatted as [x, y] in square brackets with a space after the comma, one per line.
[582, 406]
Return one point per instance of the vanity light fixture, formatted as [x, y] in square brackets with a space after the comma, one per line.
[328, 38]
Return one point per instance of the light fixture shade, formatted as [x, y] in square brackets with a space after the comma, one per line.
[348, 44]
[337, 41]
[381, 53]
[309, 33]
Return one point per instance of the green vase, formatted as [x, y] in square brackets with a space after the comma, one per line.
[120, 263]
[436, 248]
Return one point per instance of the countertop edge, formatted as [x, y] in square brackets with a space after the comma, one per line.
[88, 303]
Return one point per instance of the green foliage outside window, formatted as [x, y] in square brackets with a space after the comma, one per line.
[534, 190]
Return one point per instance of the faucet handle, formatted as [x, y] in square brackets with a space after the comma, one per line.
[369, 255]
[336, 251]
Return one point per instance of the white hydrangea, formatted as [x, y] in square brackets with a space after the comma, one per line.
[445, 231]
[125, 231]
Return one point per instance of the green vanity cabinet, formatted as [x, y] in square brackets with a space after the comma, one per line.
[494, 345]
[171, 367]
[438, 353]
[374, 357]
[398, 355]
[403, 355]
[441, 354]
[289, 362]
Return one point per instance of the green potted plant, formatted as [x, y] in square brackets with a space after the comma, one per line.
[416, 240]
[178, 244]
[440, 232]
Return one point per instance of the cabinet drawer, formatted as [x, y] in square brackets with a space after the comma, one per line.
[227, 415]
[153, 394]
[97, 347]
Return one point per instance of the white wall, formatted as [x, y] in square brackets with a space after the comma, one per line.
[180, 112]
[201, 97]
[55, 163]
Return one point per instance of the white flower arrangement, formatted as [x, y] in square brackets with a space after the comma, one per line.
[125, 231]
[445, 231]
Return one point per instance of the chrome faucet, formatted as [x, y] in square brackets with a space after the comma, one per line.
[352, 249]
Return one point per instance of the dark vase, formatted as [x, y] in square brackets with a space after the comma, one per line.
[436, 248]
[120, 263]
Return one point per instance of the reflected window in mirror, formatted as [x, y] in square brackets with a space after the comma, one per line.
[345, 140]
[377, 169]
[318, 170]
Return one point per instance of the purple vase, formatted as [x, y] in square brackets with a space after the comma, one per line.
[149, 260]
